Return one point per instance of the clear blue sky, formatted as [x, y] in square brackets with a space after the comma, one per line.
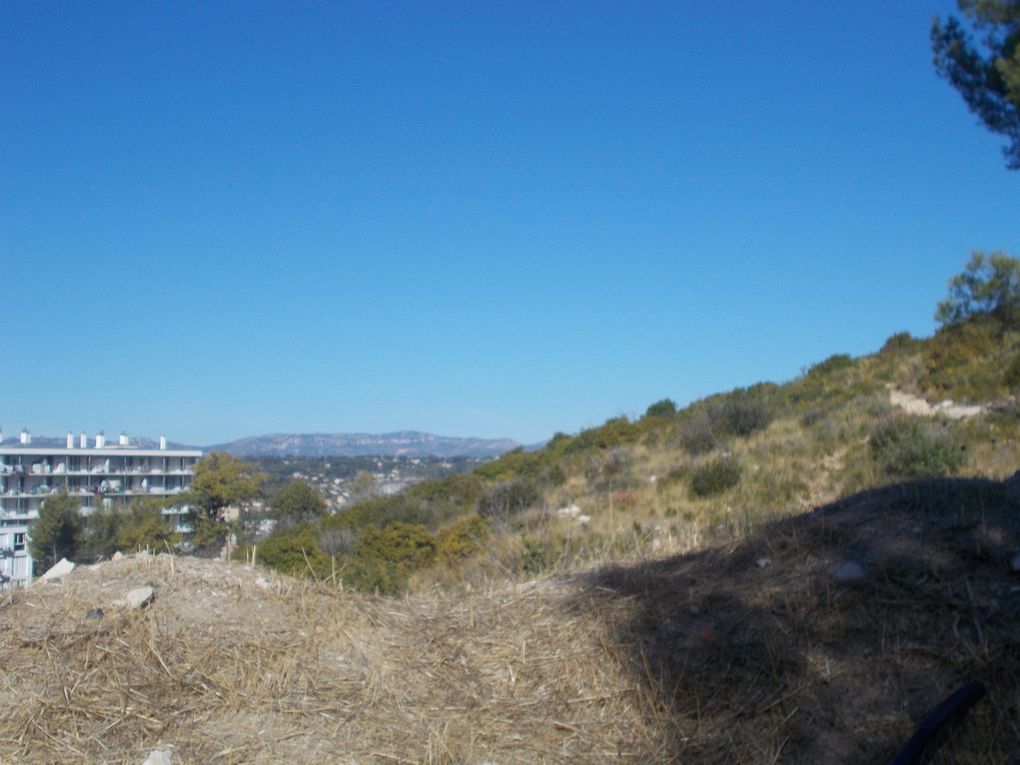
[471, 218]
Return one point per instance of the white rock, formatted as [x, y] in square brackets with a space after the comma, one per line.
[570, 511]
[763, 562]
[63, 567]
[584, 520]
[158, 757]
[849, 572]
[139, 597]
[117, 555]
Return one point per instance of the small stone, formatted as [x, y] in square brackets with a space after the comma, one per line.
[849, 572]
[158, 757]
[94, 615]
[117, 555]
[139, 597]
[61, 568]
[763, 562]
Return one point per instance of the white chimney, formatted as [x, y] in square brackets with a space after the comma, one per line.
[162, 443]
[83, 440]
[26, 437]
[100, 440]
[70, 440]
[123, 440]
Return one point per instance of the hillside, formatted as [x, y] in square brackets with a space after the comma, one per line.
[771, 649]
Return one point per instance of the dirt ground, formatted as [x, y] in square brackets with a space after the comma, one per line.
[757, 652]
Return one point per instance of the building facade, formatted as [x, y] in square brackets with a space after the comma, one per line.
[99, 474]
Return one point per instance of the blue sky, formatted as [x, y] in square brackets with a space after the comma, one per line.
[486, 219]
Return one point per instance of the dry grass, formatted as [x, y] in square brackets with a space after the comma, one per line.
[705, 657]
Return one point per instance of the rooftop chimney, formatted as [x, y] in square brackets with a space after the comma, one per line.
[83, 440]
[70, 440]
[162, 443]
[123, 440]
[26, 437]
[100, 440]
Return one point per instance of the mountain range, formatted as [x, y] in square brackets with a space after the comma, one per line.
[409, 443]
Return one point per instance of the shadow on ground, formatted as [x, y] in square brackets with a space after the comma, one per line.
[827, 637]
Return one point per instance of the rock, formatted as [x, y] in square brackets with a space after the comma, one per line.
[158, 757]
[94, 615]
[63, 567]
[264, 583]
[763, 562]
[584, 520]
[139, 597]
[117, 555]
[849, 572]
[570, 511]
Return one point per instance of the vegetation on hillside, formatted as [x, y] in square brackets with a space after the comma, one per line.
[677, 477]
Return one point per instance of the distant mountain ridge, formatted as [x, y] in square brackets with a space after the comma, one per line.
[410, 443]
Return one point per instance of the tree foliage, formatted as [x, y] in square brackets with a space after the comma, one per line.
[987, 74]
[989, 284]
[297, 502]
[221, 481]
[57, 532]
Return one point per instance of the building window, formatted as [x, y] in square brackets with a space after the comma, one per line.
[19, 541]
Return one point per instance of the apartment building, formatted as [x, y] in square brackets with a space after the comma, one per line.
[98, 473]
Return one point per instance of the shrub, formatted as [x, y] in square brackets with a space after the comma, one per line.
[743, 411]
[1012, 374]
[296, 503]
[665, 408]
[463, 539]
[614, 432]
[698, 436]
[909, 447]
[956, 359]
[507, 499]
[385, 558]
[901, 341]
[836, 363]
[293, 551]
[714, 477]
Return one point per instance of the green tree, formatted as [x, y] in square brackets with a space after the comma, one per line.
[297, 502]
[57, 532]
[986, 74]
[221, 481]
[143, 526]
[990, 284]
[664, 408]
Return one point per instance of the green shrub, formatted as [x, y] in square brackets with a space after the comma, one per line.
[1012, 374]
[838, 362]
[956, 359]
[698, 435]
[294, 551]
[910, 447]
[665, 408]
[615, 432]
[714, 477]
[463, 539]
[508, 499]
[385, 558]
[744, 410]
[901, 341]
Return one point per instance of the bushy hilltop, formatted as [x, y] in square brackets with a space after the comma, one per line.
[676, 479]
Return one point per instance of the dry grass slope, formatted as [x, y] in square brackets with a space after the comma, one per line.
[707, 657]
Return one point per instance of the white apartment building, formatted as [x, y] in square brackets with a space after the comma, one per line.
[101, 474]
